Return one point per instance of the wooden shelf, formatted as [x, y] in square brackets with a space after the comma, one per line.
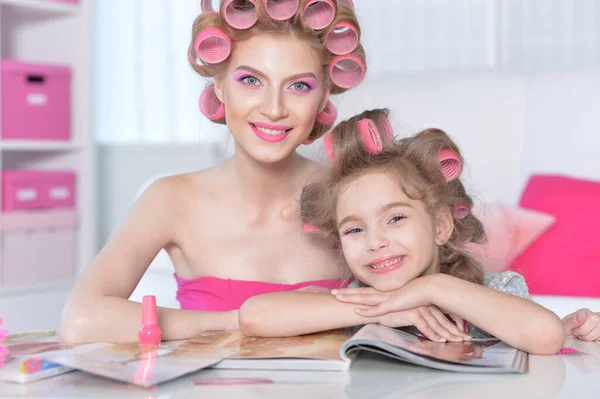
[42, 5]
[38, 145]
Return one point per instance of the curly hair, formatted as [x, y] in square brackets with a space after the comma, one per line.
[414, 164]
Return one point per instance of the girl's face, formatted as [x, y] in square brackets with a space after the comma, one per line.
[387, 238]
[273, 89]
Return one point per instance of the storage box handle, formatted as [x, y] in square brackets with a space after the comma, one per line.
[37, 79]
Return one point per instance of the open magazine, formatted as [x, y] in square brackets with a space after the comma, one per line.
[330, 350]
[336, 350]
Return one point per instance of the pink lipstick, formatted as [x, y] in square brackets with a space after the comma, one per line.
[270, 138]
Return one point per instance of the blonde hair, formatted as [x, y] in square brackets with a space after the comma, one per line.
[414, 163]
[294, 27]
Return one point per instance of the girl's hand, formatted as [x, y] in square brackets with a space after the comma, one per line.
[430, 321]
[410, 296]
[582, 324]
[313, 288]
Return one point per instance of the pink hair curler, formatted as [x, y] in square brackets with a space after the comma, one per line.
[387, 128]
[240, 14]
[212, 45]
[210, 105]
[318, 14]
[347, 71]
[342, 39]
[370, 136]
[328, 115]
[461, 211]
[328, 144]
[309, 228]
[280, 10]
[451, 164]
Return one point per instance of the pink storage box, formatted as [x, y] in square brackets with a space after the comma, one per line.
[38, 247]
[36, 101]
[37, 189]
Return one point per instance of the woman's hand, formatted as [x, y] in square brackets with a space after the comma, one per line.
[582, 324]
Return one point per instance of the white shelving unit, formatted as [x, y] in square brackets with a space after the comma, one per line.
[45, 31]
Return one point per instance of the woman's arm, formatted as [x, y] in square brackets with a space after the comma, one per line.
[98, 308]
[291, 313]
[517, 321]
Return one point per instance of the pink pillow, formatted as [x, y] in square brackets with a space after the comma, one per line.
[510, 231]
[566, 260]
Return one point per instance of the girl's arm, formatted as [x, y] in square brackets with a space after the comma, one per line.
[519, 322]
[98, 308]
[282, 314]
[291, 313]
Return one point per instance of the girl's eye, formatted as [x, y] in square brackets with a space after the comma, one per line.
[396, 219]
[301, 86]
[251, 80]
[353, 230]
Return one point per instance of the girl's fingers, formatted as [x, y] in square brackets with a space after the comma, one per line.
[366, 299]
[437, 327]
[592, 322]
[427, 331]
[354, 291]
[457, 334]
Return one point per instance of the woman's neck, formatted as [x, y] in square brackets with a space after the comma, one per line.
[262, 184]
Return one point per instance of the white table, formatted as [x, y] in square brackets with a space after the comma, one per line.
[563, 376]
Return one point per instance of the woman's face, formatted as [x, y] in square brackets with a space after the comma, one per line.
[273, 89]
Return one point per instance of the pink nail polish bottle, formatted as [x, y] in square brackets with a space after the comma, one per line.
[149, 333]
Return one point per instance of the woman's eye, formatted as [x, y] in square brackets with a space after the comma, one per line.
[251, 80]
[301, 86]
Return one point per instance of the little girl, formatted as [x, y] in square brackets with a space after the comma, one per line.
[400, 216]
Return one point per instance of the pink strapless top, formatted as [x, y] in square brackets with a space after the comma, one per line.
[216, 294]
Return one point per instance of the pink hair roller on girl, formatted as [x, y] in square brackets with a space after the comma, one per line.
[451, 164]
[346, 71]
[212, 45]
[461, 211]
[328, 115]
[210, 105]
[309, 228]
[280, 10]
[370, 136]
[240, 14]
[342, 39]
[387, 128]
[318, 14]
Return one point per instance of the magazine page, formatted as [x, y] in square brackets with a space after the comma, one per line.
[473, 356]
[24, 364]
[128, 363]
[319, 351]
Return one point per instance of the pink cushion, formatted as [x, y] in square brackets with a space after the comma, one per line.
[565, 260]
[510, 231]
